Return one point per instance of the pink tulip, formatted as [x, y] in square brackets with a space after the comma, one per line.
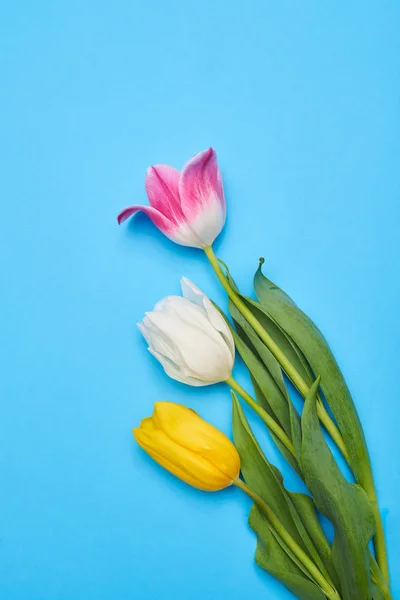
[187, 206]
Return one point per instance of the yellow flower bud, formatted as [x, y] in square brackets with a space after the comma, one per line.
[189, 447]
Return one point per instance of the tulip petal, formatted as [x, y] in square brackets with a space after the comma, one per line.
[195, 295]
[191, 313]
[147, 423]
[159, 220]
[188, 466]
[200, 181]
[179, 320]
[202, 196]
[167, 353]
[180, 234]
[157, 340]
[159, 306]
[162, 187]
[201, 351]
[186, 428]
[175, 372]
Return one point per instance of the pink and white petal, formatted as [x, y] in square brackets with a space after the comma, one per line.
[159, 220]
[162, 187]
[180, 234]
[200, 183]
[209, 222]
[126, 213]
[186, 236]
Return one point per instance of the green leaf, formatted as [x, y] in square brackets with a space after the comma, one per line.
[271, 557]
[307, 337]
[296, 427]
[345, 504]
[267, 481]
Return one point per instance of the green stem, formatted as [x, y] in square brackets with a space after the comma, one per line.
[268, 420]
[285, 536]
[302, 387]
[379, 538]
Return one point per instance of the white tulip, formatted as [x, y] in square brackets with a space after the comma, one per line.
[190, 338]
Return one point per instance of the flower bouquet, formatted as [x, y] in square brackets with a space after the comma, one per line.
[196, 344]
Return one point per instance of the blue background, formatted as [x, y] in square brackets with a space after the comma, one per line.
[301, 101]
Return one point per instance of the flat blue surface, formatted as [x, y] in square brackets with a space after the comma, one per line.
[301, 102]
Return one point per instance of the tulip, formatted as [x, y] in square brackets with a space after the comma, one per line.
[189, 447]
[190, 338]
[187, 206]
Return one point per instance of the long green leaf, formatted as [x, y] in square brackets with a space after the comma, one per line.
[345, 504]
[304, 333]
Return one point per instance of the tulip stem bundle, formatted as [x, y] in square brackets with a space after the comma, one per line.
[274, 522]
[302, 387]
[268, 420]
[274, 427]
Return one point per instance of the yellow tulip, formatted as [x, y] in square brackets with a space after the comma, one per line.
[189, 447]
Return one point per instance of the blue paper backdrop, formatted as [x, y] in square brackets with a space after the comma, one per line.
[301, 101]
